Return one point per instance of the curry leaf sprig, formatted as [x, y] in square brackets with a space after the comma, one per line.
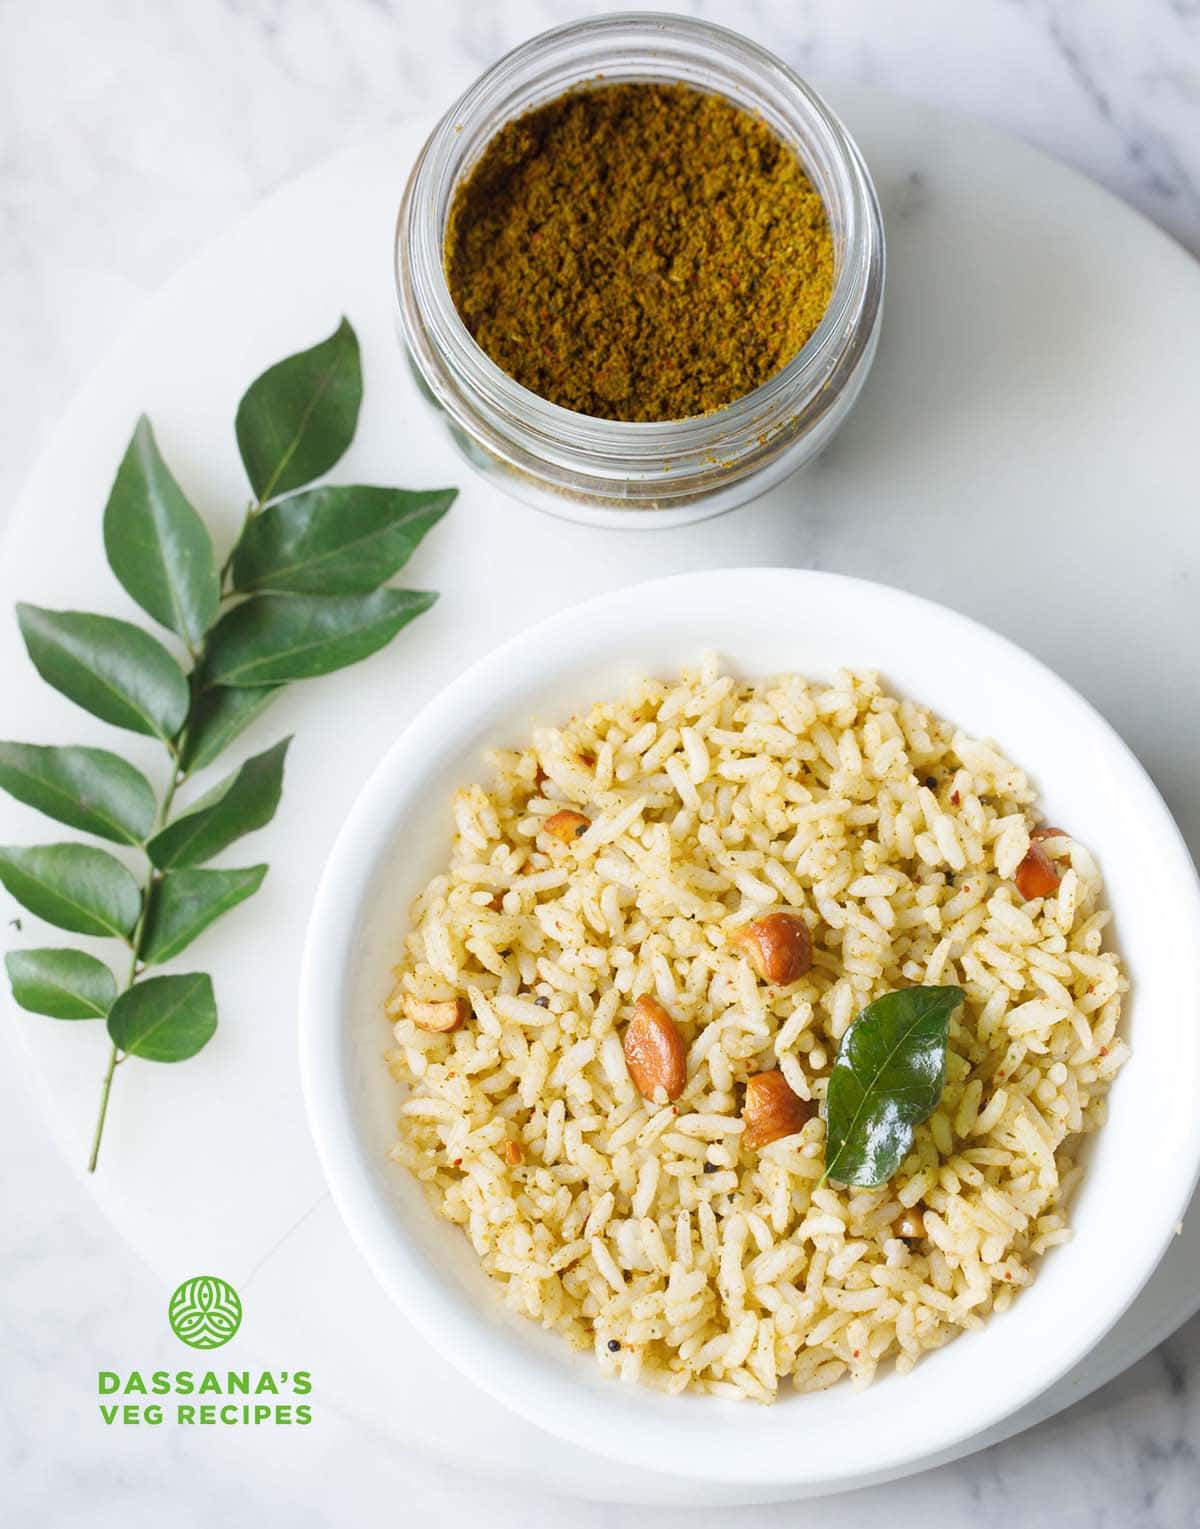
[303, 592]
[887, 1078]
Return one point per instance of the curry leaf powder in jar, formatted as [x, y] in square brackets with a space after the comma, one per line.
[639, 251]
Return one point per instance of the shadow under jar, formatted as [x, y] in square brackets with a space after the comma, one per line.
[635, 474]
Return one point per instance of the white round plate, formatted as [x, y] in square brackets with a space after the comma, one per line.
[1023, 452]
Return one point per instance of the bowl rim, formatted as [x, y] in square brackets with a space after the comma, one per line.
[481, 1351]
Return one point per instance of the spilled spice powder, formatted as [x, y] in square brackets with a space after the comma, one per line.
[639, 251]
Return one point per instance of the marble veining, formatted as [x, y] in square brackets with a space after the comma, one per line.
[129, 135]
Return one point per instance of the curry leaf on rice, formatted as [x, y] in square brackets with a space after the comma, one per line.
[888, 1076]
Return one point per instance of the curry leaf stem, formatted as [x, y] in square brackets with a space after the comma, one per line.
[135, 939]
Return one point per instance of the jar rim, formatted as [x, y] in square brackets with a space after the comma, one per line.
[531, 431]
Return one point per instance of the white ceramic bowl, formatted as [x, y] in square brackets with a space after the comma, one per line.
[1143, 1164]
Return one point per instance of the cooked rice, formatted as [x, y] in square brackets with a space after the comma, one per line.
[712, 802]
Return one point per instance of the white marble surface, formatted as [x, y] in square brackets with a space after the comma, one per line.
[128, 134]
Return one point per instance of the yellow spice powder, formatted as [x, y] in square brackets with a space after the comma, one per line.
[639, 251]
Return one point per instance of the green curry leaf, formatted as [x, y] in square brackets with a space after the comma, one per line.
[270, 639]
[298, 418]
[89, 789]
[157, 545]
[165, 1019]
[337, 540]
[887, 1078]
[74, 887]
[242, 802]
[185, 902]
[65, 984]
[112, 669]
[221, 713]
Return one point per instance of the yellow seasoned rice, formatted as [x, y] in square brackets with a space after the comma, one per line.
[712, 802]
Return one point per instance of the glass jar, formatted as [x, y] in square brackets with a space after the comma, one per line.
[615, 472]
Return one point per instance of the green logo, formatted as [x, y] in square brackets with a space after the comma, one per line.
[205, 1312]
